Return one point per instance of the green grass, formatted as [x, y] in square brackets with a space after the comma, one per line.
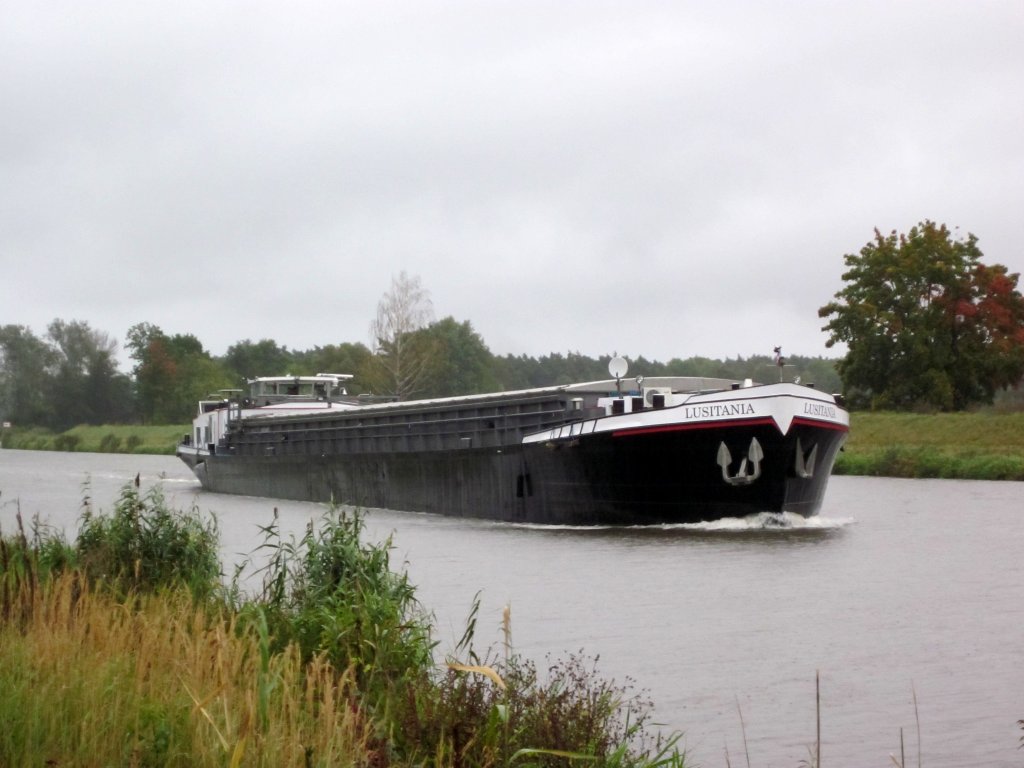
[111, 438]
[984, 445]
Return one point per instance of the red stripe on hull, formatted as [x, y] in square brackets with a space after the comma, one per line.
[700, 425]
[803, 421]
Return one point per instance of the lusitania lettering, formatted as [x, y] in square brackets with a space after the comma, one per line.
[820, 409]
[718, 410]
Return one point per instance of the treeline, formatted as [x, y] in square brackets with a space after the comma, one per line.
[70, 376]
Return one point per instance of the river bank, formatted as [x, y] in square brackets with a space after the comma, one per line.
[105, 438]
[982, 445]
[332, 662]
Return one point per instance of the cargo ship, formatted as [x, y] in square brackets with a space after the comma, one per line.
[661, 450]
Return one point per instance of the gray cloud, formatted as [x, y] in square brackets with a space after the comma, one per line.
[665, 179]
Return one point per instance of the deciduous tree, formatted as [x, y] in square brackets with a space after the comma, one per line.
[461, 364]
[247, 359]
[85, 386]
[25, 365]
[926, 322]
[172, 373]
[400, 359]
[70, 377]
[336, 358]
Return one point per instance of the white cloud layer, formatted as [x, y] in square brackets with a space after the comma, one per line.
[664, 179]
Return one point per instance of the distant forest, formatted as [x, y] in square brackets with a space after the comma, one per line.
[70, 376]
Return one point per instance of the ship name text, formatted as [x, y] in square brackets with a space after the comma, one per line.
[820, 409]
[718, 410]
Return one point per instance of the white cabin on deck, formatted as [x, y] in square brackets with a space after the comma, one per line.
[266, 390]
[268, 395]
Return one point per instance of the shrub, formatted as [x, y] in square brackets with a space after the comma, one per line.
[335, 596]
[500, 712]
[110, 443]
[144, 545]
[46, 553]
[573, 711]
[66, 442]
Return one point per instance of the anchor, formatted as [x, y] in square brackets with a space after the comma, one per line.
[754, 456]
[805, 464]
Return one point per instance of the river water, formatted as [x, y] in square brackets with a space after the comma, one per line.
[899, 589]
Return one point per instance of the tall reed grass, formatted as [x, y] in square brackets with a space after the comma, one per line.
[125, 648]
[89, 679]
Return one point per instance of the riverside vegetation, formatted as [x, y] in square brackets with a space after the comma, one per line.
[118, 438]
[979, 445]
[125, 647]
[982, 445]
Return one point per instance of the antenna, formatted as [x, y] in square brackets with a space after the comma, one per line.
[780, 363]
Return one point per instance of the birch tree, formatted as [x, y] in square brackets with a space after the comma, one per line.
[400, 355]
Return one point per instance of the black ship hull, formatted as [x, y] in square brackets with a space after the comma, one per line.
[657, 468]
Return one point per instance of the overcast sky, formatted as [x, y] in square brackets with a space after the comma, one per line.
[665, 179]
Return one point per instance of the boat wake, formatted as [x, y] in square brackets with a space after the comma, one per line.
[762, 522]
[768, 521]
